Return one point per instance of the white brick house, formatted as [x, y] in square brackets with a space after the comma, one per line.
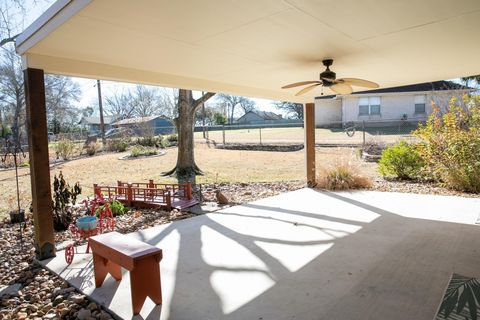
[383, 106]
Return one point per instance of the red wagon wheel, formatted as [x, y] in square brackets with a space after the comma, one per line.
[69, 253]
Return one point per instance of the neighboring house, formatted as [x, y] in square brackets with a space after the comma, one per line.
[387, 106]
[152, 125]
[258, 117]
[92, 124]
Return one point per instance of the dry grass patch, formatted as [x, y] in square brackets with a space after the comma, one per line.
[344, 173]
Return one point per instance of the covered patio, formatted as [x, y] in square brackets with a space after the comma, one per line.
[249, 48]
[306, 254]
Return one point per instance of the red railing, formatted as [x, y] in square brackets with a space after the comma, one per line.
[132, 194]
[179, 191]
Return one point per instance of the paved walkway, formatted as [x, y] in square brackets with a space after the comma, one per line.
[304, 255]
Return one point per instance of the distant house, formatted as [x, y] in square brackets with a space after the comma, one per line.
[259, 117]
[153, 125]
[92, 124]
[386, 106]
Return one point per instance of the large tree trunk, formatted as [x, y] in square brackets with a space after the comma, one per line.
[186, 169]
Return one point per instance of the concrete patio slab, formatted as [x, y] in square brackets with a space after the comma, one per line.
[305, 254]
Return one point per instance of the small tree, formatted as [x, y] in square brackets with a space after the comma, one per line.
[63, 195]
[219, 118]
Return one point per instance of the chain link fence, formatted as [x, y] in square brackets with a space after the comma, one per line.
[357, 133]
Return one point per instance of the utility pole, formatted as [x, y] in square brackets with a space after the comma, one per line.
[100, 107]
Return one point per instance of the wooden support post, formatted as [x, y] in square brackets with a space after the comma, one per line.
[309, 125]
[151, 184]
[120, 189]
[189, 191]
[39, 163]
[129, 194]
[168, 200]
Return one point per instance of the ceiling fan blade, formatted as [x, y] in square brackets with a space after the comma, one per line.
[342, 88]
[298, 84]
[305, 90]
[328, 79]
[358, 82]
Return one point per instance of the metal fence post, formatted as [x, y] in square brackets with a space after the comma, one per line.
[223, 132]
[363, 130]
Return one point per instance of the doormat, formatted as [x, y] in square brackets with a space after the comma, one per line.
[461, 299]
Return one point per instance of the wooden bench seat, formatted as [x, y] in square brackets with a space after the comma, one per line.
[112, 250]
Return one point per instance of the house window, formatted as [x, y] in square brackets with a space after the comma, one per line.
[420, 104]
[369, 106]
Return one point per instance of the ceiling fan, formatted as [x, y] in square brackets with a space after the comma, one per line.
[328, 79]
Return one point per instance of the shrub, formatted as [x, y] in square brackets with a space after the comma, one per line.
[63, 195]
[342, 178]
[92, 148]
[451, 144]
[172, 138]
[117, 145]
[401, 161]
[138, 151]
[64, 149]
[116, 206]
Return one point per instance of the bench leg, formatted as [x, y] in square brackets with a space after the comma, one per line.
[145, 282]
[101, 267]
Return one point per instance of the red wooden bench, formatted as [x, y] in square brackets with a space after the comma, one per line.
[112, 250]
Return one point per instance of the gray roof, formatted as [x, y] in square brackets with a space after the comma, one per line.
[137, 120]
[96, 120]
[418, 87]
[265, 115]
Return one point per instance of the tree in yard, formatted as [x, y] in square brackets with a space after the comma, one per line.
[233, 101]
[120, 103]
[219, 118]
[295, 110]
[60, 94]
[186, 169]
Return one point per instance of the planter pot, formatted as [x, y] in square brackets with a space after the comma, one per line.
[17, 217]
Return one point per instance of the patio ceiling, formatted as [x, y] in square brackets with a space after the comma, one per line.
[254, 47]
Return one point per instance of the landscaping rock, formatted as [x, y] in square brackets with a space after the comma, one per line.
[10, 290]
[84, 314]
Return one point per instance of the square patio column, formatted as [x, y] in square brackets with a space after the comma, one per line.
[309, 127]
[39, 163]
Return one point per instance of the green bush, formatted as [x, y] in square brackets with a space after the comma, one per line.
[116, 206]
[65, 149]
[5, 131]
[451, 144]
[138, 151]
[401, 161]
[117, 145]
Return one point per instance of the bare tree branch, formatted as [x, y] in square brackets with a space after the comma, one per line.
[202, 99]
[7, 40]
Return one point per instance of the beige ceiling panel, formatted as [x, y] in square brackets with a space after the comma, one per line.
[182, 19]
[432, 52]
[100, 42]
[371, 18]
[289, 37]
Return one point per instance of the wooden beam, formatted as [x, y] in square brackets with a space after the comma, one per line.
[39, 163]
[309, 125]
